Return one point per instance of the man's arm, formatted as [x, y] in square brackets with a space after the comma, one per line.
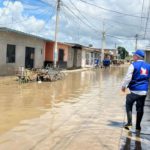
[127, 78]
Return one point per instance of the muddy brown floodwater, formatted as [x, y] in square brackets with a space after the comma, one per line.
[85, 111]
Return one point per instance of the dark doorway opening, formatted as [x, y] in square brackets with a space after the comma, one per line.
[29, 57]
[61, 55]
[61, 62]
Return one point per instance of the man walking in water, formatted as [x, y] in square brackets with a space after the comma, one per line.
[137, 80]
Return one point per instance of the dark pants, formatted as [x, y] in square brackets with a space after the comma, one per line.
[140, 101]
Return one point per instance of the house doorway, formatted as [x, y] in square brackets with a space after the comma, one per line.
[29, 57]
[61, 57]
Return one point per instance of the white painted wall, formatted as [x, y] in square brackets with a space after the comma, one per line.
[83, 60]
[79, 57]
[70, 57]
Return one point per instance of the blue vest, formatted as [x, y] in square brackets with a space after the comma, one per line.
[140, 77]
[106, 62]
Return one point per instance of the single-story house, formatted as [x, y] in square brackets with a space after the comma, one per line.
[89, 55]
[20, 49]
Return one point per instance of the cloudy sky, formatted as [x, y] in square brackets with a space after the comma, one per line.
[82, 21]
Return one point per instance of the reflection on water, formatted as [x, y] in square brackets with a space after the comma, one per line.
[24, 101]
[82, 111]
[132, 141]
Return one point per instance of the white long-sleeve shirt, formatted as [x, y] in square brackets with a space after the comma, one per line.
[128, 78]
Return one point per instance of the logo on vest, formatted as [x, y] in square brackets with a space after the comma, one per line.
[143, 71]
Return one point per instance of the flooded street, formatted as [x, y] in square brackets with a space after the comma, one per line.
[85, 111]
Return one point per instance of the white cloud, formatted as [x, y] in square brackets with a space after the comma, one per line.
[120, 25]
[12, 16]
[80, 22]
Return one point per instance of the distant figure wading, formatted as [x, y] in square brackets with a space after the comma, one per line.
[106, 62]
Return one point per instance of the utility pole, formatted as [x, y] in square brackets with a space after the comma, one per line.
[55, 51]
[103, 46]
[136, 39]
[115, 45]
[116, 50]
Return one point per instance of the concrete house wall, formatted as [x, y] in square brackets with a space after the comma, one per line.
[147, 56]
[74, 56]
[88, 59]
[83, 63]
[21, 41]
[79, 57]
[70, 57]
[147, 59]
[89, 55]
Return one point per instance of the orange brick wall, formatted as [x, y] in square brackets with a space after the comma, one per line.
[49, 51]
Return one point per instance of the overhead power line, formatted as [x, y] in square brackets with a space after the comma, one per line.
[81, 14]
[106, 9]
[142, 12]
[119, 37]
[93, 28]
[90, 26]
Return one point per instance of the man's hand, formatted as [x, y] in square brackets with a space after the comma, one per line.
[123, 89]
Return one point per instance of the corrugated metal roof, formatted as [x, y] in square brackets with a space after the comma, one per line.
[23, 33]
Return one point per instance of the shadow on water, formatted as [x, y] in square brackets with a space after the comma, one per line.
[147, 105]
[115, 124]
[132, 142]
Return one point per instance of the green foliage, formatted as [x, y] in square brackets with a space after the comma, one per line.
[123, 53]
[129, 57]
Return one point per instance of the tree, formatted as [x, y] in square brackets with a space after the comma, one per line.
[123, 53]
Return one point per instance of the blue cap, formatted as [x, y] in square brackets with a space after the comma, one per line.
[139, 53]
